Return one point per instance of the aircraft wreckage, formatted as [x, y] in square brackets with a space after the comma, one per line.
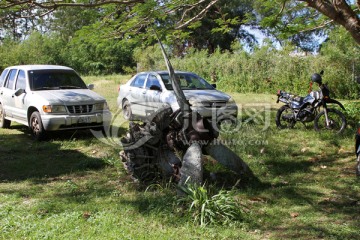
[171, 144]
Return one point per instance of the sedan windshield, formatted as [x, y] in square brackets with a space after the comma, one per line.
[188, 81]
[55, 79]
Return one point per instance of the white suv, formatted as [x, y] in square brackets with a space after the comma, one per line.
[49, 98]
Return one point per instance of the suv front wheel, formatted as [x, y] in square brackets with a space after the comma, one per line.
[36, 126]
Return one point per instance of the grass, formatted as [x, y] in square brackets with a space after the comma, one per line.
[73, 186]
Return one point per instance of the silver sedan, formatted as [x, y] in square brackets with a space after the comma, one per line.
[147, 92]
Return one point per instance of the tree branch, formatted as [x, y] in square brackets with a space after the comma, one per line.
[55, 4]
[199, 15]
[317, 27]
[340, 12]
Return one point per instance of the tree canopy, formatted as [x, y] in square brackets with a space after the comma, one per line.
[217, 21]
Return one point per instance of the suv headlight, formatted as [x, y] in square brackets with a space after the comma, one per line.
[54, 108]
[231, 101]
[101, 106]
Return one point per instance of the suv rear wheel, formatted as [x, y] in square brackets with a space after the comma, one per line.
[4, 123]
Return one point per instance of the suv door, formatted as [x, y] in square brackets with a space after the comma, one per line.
[7, 93]
[20, 111]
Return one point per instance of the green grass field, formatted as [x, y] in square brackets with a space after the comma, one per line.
[73, 186]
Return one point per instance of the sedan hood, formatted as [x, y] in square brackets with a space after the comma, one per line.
[70, 96]
[206, 95]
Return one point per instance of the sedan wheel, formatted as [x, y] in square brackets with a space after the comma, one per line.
[127, 110]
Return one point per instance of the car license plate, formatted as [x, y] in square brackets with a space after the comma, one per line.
[84, 120]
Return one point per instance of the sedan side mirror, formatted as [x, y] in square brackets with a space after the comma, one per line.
[19, 92]
[90, 86]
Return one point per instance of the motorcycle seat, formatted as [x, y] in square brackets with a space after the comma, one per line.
[298, 99]
[297, 102]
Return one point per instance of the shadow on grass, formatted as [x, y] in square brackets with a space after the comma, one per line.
[23, 158]
[310, 173]
[289, 180]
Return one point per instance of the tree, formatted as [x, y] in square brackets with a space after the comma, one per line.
[341, 12]
[286, 18]
[137, 14]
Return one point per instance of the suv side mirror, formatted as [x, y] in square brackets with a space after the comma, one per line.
[19, 92]
[214, 85]
[156, 88]
[90, 86]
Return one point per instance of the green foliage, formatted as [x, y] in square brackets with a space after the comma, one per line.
[291, 21]
[268, 69]
[92, 53]
[352, 113]
[37, 49]
[342, 57]
[220, 208]
[149, 58]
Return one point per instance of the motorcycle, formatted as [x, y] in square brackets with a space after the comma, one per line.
[313, 107]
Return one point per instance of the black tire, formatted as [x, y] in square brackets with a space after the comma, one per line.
[281, 121]
[127, 110]
[336, 118]
[4, 123]
[36, 126]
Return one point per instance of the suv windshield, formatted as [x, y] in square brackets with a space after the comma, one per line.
[55, 79]
[188, 81]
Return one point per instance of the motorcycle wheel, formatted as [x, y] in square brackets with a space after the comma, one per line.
[336, 118]
[283, 118]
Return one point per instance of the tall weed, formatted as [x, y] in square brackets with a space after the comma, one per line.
[265, 70]
[207, 208]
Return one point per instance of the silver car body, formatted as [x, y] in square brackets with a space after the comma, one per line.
[60, 108]
[145, 99]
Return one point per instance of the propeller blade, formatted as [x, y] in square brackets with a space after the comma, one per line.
[192, 169]
[180, 96]
[229, 159]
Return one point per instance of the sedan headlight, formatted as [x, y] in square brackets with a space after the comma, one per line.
[101, 106]
[195, 103]
[54, 108]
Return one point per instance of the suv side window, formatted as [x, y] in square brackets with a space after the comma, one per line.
[10, 79]
[21, 80]
[139, 81]
[2, 77]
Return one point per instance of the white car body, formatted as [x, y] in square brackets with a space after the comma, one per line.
[60, 107]
[145, 99]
